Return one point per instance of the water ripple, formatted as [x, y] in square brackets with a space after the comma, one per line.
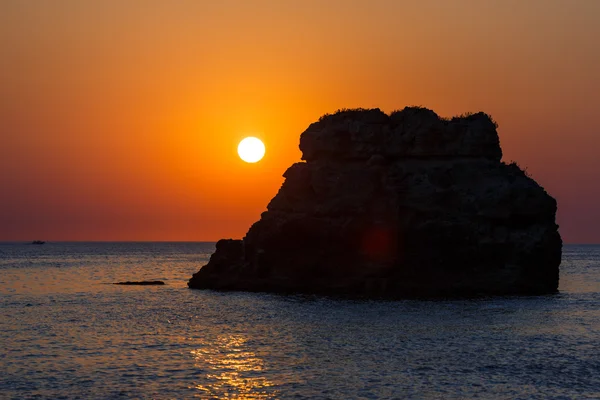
[66, 334]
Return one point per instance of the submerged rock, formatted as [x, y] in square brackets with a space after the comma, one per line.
[405, 205]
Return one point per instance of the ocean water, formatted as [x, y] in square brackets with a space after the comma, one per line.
[67, 332]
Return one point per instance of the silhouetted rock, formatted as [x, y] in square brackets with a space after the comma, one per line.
[397, 206]
[140, 283]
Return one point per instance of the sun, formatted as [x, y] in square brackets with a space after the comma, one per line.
[251, 149]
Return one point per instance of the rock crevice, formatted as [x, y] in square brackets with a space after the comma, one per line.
[400, 205]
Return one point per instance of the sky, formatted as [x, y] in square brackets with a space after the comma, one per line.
[119, 120]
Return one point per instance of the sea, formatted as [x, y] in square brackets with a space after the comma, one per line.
[67, 332]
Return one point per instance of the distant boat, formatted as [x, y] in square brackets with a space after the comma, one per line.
[38, 242]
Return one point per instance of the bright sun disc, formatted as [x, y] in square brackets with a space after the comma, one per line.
[251, 149]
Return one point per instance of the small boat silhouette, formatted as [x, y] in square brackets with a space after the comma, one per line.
[38, 242]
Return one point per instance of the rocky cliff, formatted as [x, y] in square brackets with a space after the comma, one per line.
[400, 205]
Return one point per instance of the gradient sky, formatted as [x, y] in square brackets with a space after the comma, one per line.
[119, 120]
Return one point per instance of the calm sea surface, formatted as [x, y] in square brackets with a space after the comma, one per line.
[67, 332]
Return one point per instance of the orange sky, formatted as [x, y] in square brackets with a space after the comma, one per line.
[119, 120]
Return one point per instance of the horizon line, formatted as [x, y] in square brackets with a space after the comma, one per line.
[181, 241]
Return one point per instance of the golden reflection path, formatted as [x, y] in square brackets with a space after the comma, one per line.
[233, 370]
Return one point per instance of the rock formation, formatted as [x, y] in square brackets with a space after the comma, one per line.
[400, 205]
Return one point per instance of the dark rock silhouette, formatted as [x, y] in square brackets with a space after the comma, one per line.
[405, 205]
[143, 283]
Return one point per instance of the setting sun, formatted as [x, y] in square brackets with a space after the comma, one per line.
[251, 149]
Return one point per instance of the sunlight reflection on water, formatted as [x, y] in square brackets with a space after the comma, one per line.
[233, 369]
